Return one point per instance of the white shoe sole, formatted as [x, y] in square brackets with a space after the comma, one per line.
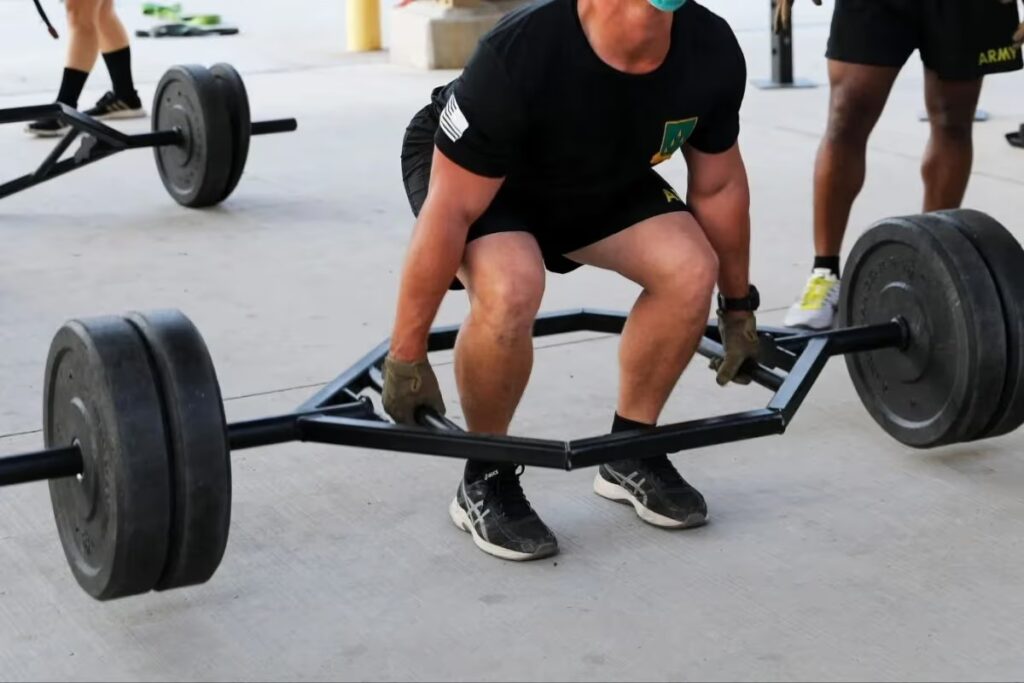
[461, 520]
[808, 325]
[48, 133]
[614, 492]
[125, 114]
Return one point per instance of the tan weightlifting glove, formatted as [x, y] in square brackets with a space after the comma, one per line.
[739, 337]
[784, 13]
[409, 387]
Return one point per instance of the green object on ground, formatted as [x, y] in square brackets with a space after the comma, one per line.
[172, 13]
[168, 12]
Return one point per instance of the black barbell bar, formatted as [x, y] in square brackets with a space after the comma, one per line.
[167, 138]
[66, 461]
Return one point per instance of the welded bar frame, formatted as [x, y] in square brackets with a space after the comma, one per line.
[800, 356]
[343, 414]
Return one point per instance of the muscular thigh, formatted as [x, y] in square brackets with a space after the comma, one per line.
[662, 247]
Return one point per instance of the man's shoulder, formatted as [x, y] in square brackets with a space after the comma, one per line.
[529, 29]
[701, 16]
[710, 32]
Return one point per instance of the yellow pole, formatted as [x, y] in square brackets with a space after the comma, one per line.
[363, 19]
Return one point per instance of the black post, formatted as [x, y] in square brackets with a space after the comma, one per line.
[782, 57]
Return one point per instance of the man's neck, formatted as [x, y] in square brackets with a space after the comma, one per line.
[628, 35]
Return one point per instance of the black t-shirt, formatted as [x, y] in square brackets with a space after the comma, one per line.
[537, 106]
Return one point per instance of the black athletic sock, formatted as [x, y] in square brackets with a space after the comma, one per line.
[830, 262]
[623, 424]
[119, 64]
[71, 86]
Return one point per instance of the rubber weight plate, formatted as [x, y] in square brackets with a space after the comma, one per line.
[113, 519]
[939, 389]
[198, 444]
[237, 100]
[1004, 257]
[195, 171]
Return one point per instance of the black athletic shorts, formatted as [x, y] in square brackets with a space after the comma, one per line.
[958, 39]
[558, 227]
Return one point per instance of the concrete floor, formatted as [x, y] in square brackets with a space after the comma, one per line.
[834, 553]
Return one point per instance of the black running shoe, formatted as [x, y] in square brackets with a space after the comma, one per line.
[495, 511]
[655, 490]
[111, 106]
[47, 128]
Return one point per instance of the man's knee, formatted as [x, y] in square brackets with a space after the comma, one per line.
[82, 14]
[853, 111]
[952, 123]
[509, 301]
[687, 276]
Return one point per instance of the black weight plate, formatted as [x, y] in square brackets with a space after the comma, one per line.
[198, 444]
[195, 171]
[1005, 259]
[940, 388]
[237, 100]
[113, 520]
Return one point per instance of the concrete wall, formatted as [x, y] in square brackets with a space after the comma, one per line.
[442, 34]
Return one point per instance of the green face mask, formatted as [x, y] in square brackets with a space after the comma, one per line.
[667, 5]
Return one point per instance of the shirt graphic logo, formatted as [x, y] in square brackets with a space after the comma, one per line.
[453, 123]
[676, 133]
[671, 196]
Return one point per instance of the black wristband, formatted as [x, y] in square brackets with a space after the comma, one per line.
[751, 302]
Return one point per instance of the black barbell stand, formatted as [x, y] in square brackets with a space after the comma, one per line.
[782, 59]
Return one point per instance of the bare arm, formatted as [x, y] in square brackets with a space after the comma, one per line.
[719, 196]
[456, 199]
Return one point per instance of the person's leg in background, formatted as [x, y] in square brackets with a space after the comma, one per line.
[122, 101]
[868, 45]
[858, 96]
[83, 48]
[946, 168]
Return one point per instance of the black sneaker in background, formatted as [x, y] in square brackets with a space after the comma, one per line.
[656, 491]
[494, 510]
[111, 106]
[47, 128]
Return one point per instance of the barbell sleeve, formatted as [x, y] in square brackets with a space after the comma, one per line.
[273, 126]
[52, 463]
[66, 461]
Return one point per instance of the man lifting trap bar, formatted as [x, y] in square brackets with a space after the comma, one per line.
[541, 155]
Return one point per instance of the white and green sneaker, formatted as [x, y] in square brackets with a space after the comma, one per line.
[819, 303]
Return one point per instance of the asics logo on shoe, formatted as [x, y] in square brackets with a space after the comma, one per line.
[631, 484]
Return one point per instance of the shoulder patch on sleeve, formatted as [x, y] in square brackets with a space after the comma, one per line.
[453, 122]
